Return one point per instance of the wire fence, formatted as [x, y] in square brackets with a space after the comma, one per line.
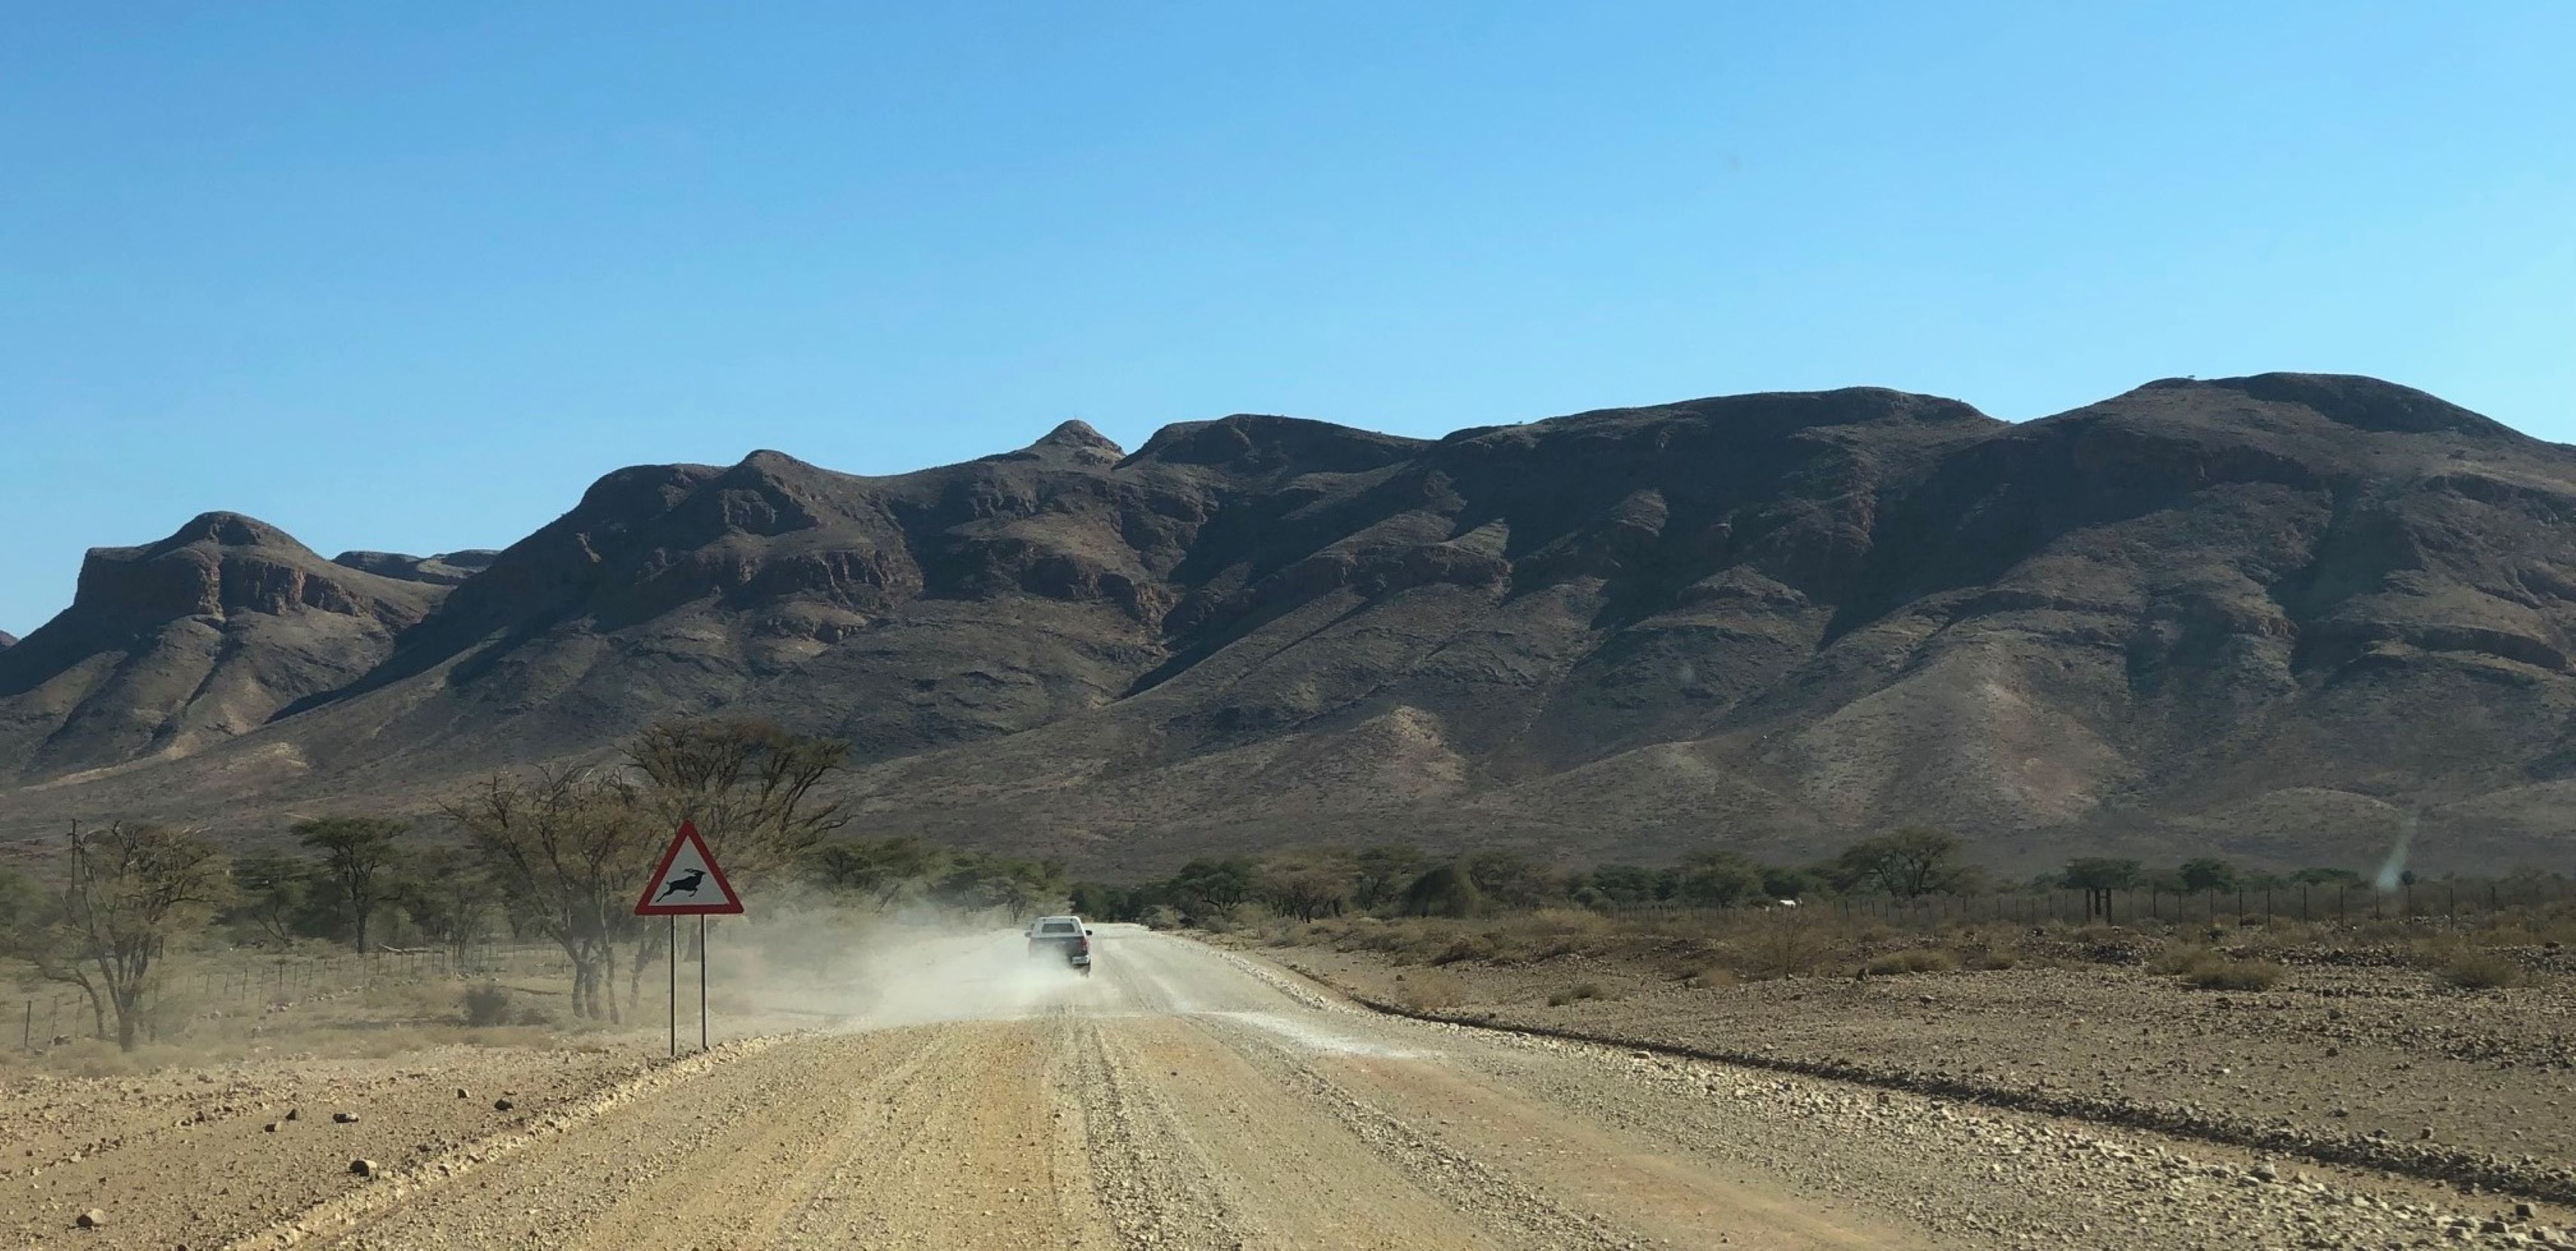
[228, 982]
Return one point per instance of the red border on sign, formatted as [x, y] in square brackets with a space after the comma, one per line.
[644, 905]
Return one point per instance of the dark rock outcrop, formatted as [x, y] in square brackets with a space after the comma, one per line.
[2277, 614]
[193, 639]
[444, 569]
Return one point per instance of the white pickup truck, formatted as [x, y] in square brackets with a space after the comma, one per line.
[1065, 938]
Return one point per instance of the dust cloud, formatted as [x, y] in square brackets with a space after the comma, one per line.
[829, 968]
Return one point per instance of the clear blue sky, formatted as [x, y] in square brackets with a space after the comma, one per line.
[411, 276]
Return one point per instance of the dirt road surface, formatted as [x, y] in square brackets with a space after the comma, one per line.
[1181, 1097]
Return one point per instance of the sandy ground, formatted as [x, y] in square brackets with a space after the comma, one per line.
[1183, 1097]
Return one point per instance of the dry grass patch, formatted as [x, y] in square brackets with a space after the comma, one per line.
[2483, 970]
[2217, 972]
[1912, 960]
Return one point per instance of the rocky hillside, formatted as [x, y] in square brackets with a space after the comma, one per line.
[2286, 616]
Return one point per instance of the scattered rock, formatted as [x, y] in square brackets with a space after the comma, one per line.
[345, 1118]
[461, 1093]
[295, 1114]
[91, 1219]
[364, 1168]
[269, 1128]
[502, 1105]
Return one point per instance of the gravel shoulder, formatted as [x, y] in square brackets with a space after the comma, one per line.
[1183, 1097]
[2377, 1065]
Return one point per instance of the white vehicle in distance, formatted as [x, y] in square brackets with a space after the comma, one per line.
[1065, 938]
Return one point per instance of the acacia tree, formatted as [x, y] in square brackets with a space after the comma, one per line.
[1906, 864]
[1382, 872]
[879, 868]
[1720, 879]
[2208, 873]
[358, 858]
[1307, 887]
[749, 788]
[270, 893]
[448, 895]
[2097, 878]
[132, 886]
[567, 851]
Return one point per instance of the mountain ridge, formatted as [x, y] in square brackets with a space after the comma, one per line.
[2226, 613]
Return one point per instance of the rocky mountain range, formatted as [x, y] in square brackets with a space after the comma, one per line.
[2287, 617]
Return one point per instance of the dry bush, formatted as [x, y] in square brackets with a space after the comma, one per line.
[2181, 958]
[1554, 932]
[2216, 972]
[1465, 947]
[2472, 969]
[487, 1005]
[1711, 976]
[1912, 960]
[1576, 993]
[1784, 943]
[1430, 990]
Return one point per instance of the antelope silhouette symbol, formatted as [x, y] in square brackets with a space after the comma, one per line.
[685, 884]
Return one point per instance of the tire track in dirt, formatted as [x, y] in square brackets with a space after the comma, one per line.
[972, 1157]
[340, 1214]
[774, 1174]
[1152, 1180]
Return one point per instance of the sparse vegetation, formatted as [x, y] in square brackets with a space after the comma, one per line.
[2483, 970]
[132, 888]
[1912, 960]
[1576, 993]
[487, 1005]
[358, 860]
[2212, 971]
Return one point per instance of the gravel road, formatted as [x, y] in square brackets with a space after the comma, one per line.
[1189, 1098]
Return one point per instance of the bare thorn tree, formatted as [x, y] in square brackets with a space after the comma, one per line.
[131, 887]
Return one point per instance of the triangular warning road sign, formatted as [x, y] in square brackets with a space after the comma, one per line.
[688, 883]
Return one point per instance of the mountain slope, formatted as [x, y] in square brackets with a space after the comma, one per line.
[188, 641]
[2283, 614]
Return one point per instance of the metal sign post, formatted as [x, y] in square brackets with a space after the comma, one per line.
[688, 883]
